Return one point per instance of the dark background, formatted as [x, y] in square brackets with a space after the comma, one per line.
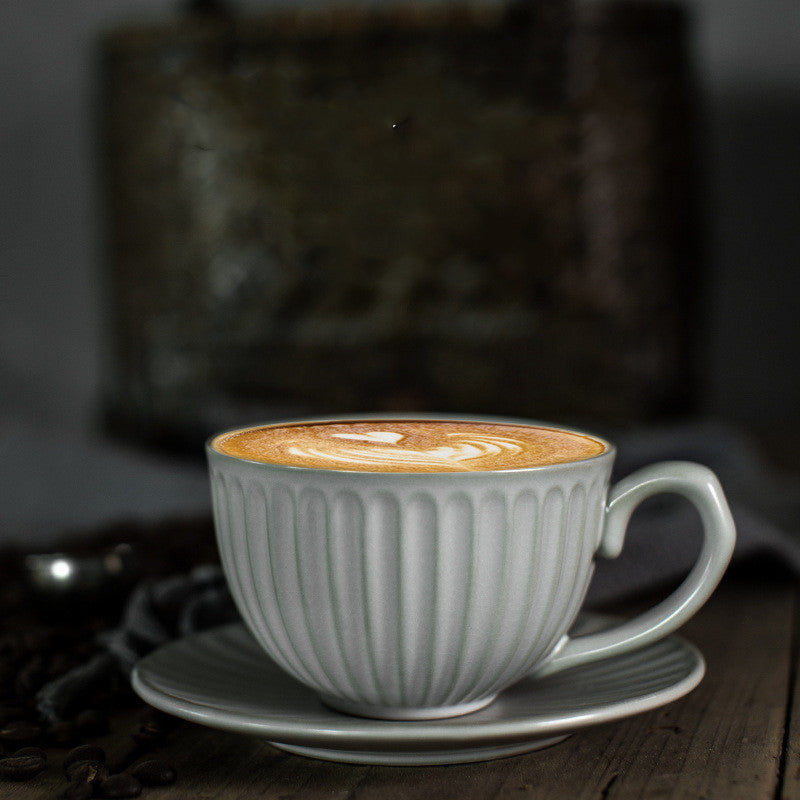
[747, 64]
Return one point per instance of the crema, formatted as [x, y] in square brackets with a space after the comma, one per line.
[409, 445]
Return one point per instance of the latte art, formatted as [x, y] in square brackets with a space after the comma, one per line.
[409, 445]
[386, 448]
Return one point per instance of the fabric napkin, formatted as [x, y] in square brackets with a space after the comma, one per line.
[665, 534]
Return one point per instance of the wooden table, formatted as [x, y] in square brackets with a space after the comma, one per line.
[736, 736]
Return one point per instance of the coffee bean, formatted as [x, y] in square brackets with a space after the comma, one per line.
[85, 752]
[78, 791]
[156, 723]
[19, 732]
[154, 773]
[120, 785]
[86, 772]
[21, 768]
[37, 752]
[150, 733]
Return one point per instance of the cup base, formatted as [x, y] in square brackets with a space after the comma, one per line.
[400, 713]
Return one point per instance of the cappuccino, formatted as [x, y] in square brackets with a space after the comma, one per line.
[409, 445]
[420, 569]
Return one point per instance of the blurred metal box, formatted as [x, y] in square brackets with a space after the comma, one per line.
[471, 208]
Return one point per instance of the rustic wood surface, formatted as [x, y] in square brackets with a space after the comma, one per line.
[736, 736]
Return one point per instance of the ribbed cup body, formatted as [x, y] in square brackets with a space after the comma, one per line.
[402, 595]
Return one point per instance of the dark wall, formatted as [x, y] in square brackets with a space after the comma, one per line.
[747, 58]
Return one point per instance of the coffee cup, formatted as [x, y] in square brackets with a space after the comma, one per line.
[413, 568]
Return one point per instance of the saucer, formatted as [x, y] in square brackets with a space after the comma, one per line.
[223, 679]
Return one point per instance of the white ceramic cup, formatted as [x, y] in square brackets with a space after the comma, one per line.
[401, 595]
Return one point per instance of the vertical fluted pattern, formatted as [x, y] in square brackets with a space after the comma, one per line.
[382, 589]
[345, 550]
[410, 600]
[419, 560]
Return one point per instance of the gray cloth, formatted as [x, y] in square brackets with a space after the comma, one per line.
[156, 612]
[664, 534]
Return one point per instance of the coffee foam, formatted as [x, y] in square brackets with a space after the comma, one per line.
[409, 445]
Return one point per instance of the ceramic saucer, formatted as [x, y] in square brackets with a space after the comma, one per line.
[223, 679]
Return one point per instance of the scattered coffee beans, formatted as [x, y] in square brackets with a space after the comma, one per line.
[35, 652]
[151, 733]
[39, 752]
[19, 732]
[86, 772]
[21, 768]
[154, 773]
[84, 752]
[122, 785]
[78, 791]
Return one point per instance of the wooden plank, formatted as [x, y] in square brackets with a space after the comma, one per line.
[214, 764]
[731, 729]
[790, 766]
[723, 741]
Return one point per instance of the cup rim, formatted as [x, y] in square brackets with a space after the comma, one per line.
[211, 450]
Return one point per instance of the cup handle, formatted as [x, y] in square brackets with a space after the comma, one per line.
[699, 485]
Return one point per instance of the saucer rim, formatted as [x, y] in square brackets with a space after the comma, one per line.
[342, 732]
